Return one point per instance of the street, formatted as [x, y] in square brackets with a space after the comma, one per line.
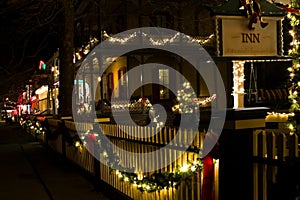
[31, 171]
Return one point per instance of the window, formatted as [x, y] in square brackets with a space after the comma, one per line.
[164, 82]
[121, 76]
[162, 19]
[123, 83]
[110, 85]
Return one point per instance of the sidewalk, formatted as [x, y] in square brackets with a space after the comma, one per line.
[30, 171]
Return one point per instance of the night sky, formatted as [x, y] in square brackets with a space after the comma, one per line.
[29, 33]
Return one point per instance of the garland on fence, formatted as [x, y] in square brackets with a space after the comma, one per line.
[154, 182]
[294, 69]
[35, 125]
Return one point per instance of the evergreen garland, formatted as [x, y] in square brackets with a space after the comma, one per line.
[154, 182]
[294, 88]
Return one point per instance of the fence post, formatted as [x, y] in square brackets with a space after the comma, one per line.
[96, 154]
[63, 137]
[271, 145]
[293, 146]
[255, 142]
[262, 150]
[237, 148]
[281, 146]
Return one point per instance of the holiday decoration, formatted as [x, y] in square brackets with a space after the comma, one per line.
[252, 11]
[294, 69]
[289, 9]
[154, 182]
[36, 126]
[238, 84]
[81, 52]
[185, 102]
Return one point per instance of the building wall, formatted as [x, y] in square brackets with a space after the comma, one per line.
[190, 17]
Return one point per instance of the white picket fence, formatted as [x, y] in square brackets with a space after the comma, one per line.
[152, 140]
[185, 191]
[275, 144]
[268, 144]
[55, 143]
[152, 135]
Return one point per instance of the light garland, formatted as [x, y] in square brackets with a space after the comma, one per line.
[154, 182]
[36, 126]
[238, 84]
[159, 42]
[143, 104]
[155, 42]
[238, 77]
[204, 41]
[294, 69]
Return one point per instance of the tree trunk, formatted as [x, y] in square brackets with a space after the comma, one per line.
[66, 77]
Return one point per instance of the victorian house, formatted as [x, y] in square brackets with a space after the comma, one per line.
[227, 30]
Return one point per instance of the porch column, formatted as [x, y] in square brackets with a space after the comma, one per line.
[238, 84]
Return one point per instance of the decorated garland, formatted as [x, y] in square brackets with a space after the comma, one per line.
[154, 182]
[35, 125]
[294, 69]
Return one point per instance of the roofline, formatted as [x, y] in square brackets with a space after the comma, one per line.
[231, 7]
[253, 58]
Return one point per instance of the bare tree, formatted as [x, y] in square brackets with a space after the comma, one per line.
[66, 57]
[34, 29]
[28, 29]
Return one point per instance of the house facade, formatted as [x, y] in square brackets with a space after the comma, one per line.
[221, 27]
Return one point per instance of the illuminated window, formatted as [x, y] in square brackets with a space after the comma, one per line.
[121, 76]
[123, 83]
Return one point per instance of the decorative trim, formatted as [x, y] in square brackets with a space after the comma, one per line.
[279, 38]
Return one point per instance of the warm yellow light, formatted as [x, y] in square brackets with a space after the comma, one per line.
[105, 154]
[294, 101]
[291, 127]
[77, 144]
[193, 168]
[148, 187]
[184, 168]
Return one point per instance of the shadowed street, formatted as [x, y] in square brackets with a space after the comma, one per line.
[31, 171]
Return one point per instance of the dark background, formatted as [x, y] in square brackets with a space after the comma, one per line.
[29, 33]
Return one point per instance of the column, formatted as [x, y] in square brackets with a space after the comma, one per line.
[238, 84]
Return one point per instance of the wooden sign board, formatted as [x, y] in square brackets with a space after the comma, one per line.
[236, 39]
